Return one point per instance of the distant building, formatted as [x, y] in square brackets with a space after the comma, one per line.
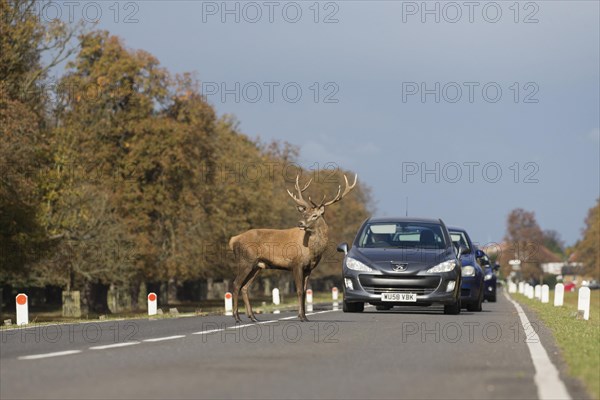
[562, 268]
[532, 256]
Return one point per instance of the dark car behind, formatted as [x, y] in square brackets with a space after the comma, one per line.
[471, 291]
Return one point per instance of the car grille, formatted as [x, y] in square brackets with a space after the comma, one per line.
[377, 284]
[379, 290]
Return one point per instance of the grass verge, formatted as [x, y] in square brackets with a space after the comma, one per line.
[578, 340]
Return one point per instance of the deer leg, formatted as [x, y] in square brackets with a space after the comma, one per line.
[306, 276]
[299, 281]
[237, 285]
[245, 288]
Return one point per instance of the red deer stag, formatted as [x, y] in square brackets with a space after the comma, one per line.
[297, 250]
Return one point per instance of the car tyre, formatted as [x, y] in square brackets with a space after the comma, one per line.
[353, 307]
[452, 309]
[492, 298]
[476, 306]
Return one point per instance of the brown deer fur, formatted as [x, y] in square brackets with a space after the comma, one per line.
[297, 250]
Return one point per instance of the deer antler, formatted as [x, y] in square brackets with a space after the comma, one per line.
[339, 194]
[300, 200]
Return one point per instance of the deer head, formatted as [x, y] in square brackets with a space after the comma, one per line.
[311, 211]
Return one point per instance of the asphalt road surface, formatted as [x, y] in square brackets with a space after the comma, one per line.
[403, 353]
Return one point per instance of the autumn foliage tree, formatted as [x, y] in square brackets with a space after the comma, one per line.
[524, 238]
[24, 153]
[588, 248]
[128, 176]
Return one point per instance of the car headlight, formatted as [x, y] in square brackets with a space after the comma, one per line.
[487, 277]
[446, 266]
[468, 271]
[356, 265]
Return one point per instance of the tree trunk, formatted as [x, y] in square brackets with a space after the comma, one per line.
[94, 298]
[134, 292]
[172, 291]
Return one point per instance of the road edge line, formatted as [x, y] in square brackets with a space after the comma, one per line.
[547, 378]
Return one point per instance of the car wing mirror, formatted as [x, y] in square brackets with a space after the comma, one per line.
[343, 248]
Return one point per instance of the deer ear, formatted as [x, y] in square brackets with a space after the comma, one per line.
[301, 208]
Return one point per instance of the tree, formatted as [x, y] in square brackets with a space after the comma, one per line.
[129, 175]
[553, 242]
[24, 41]
[588, 248]
[521, 226]
[524, 237]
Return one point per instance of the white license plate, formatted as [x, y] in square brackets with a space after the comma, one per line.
[402, 297]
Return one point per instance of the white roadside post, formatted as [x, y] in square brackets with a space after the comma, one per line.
[309, 300]
[538, 291]
[545, 293]
[530, 291]
[334, 296]
[512, 287]
[228, 304]
[516, 266]
[152, 306]
[559, 294]
[276, 299]
[583, 302]
[22, 309]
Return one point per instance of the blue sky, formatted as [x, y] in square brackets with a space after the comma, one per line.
[371, 62]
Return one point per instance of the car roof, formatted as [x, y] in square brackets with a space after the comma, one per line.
[456, 228]
[404, 219]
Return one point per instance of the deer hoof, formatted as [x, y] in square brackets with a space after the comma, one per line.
[303, 318]
[237, 319]
[253, 318]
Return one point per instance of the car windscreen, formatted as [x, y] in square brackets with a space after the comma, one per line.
[412, 235]
[460, 238]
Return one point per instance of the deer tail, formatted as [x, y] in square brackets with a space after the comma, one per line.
[232, 242]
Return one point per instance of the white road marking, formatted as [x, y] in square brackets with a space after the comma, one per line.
[323, 312]
[207, 332]
[160, 339]
[286, 318]
[257, 323]
[47, 355]
[239, 326]
[547, 379]
[112, 346]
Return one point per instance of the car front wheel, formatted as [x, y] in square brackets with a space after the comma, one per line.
[476, 306]
[353, 307]
[452, 309]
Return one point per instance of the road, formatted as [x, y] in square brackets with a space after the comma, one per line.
[404, 353]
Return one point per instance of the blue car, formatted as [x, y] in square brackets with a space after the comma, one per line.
[489, 276]
[472, 286]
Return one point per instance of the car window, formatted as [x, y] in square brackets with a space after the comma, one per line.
[460, 238]
[402, 235]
